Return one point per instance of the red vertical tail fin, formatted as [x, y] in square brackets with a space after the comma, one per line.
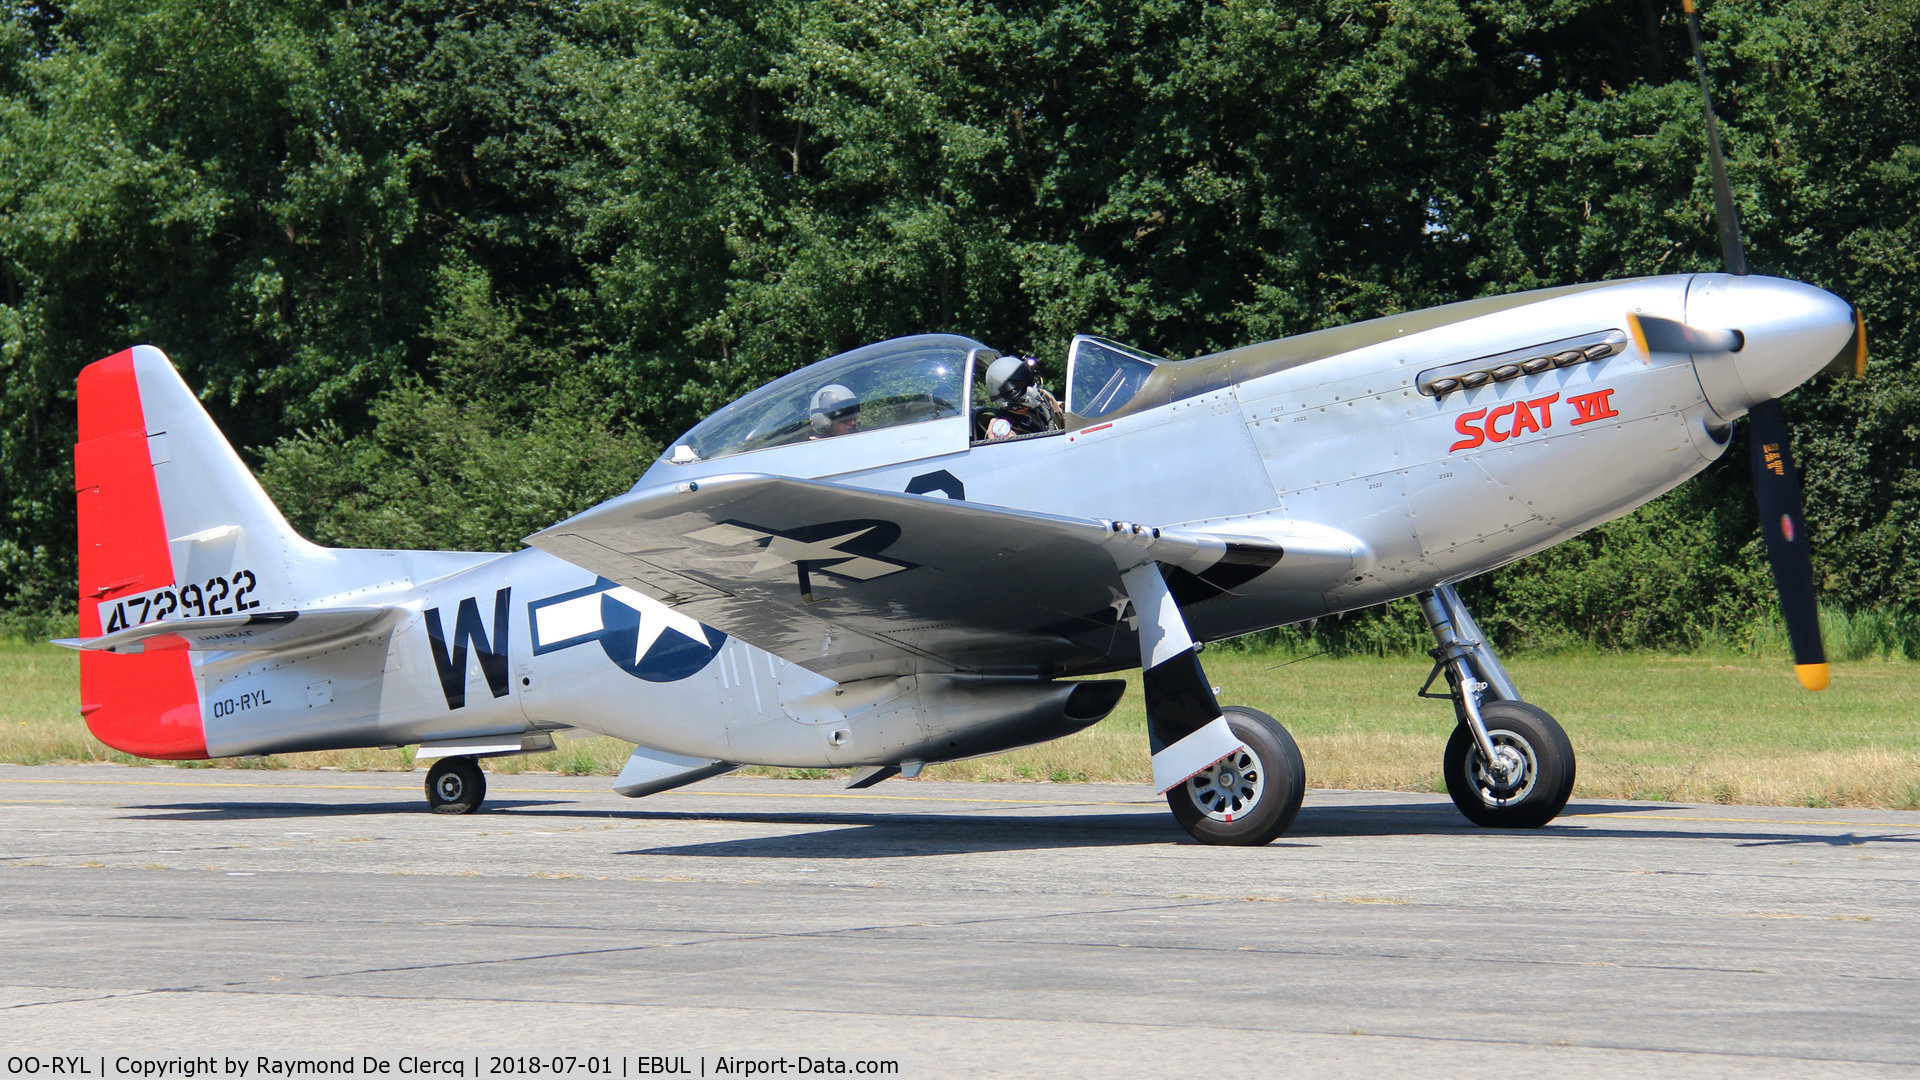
[146, 703]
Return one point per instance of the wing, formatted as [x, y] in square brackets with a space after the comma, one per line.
[853, 583]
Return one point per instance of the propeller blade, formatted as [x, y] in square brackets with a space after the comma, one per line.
[1852, 358]
[1776, 483]
[1730, 250]
[1776, 488]
[1656, 335]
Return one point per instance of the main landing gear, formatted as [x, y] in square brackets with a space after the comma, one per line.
[455, 785]
[1231, 776]
[1509, 764]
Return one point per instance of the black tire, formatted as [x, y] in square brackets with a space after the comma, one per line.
[455, 785]
[1262, 797]
[1533, 798]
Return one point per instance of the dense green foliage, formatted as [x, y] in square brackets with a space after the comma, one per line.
[453, 270]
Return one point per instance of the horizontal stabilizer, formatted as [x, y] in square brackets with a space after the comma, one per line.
[268, 631]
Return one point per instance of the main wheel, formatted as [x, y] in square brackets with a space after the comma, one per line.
[1253, 794]
[455, 785]
[1540, 768]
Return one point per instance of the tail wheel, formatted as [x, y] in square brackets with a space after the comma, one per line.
[1537, 780]
[455, 785]
[1251, 796]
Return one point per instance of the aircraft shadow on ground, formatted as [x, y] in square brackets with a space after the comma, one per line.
[861, 836]
[1843, 840]
[868, 835]
[855, 834]
[850, 834]
[241, 811]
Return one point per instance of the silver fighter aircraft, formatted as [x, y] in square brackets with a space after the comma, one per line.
[904, 554]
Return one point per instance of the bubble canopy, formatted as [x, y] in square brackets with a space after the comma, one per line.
[908, 380]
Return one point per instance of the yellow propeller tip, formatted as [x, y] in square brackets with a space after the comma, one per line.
[1639, 337]
[1812, 676]
[1860, 351]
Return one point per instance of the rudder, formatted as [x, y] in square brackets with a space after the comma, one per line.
[170, 520]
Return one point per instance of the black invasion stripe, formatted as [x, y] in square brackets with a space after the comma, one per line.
[1179, 700]
[1237, 567]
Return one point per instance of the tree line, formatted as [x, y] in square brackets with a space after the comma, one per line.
[448, 272]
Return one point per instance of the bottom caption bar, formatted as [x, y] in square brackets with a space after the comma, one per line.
[247, 1067]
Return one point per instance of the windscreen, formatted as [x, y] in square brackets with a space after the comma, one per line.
[1103, 375]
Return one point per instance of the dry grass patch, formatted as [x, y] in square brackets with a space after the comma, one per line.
[1703, 728]
[1865, 777]
[1375, 760]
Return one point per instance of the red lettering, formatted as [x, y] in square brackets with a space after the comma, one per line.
[1523, 419]
[1541, 411]
[1593, 406]
[1496, 435]
[1466, 425]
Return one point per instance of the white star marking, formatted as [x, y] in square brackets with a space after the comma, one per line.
[784, 551]
[656, 617]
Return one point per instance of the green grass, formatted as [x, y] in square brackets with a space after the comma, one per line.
[1703, 728]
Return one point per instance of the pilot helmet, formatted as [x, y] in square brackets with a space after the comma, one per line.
[1009, 378]
[830, 403]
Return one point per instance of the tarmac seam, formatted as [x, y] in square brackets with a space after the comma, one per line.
[126, 854]
[76, 1000]
[724, 937]
[1379, 955]
[1438, 1039]
[731, 935]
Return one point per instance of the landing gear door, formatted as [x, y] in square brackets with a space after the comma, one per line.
[1104, 375]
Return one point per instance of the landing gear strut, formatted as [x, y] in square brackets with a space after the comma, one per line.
[455, 785]
[1508, 764]
[1231, 776]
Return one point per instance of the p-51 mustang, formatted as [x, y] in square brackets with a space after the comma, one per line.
[868, 564]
